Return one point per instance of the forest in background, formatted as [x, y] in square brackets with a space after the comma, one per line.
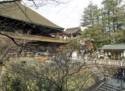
[105, 24]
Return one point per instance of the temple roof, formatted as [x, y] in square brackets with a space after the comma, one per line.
[17, 11]
[113, 47]
[72, 30]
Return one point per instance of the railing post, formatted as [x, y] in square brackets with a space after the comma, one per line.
[121, 64]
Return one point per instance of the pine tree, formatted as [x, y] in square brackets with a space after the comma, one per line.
[112, 14]
[91, 15]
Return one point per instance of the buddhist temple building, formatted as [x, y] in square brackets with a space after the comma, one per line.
[71, 33]
[23, 24]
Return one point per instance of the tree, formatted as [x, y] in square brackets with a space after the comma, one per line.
[110, 19]
[91, 15]
[113, 14]
[54, 75]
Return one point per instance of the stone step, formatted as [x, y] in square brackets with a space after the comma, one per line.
[112, 87]
[102, 89]
[108, 87]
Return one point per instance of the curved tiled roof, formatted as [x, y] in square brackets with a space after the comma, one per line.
[17, 11]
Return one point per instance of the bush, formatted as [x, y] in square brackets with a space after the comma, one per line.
[33, 75]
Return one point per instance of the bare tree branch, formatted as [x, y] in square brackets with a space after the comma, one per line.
[11, 39]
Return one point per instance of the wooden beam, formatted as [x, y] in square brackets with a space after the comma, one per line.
[34, 38]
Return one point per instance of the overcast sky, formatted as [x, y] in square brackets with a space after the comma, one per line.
[65, 15]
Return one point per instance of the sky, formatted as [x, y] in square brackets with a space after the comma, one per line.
[66, 15]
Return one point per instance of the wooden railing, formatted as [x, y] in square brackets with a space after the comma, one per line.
[108, 62]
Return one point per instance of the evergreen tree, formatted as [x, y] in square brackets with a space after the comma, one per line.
[112, 14]
[105, 25]
[91, 15]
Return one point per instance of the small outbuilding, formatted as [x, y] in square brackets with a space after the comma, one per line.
[114, 51]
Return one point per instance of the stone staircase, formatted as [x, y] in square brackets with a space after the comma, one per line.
[107, 87]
